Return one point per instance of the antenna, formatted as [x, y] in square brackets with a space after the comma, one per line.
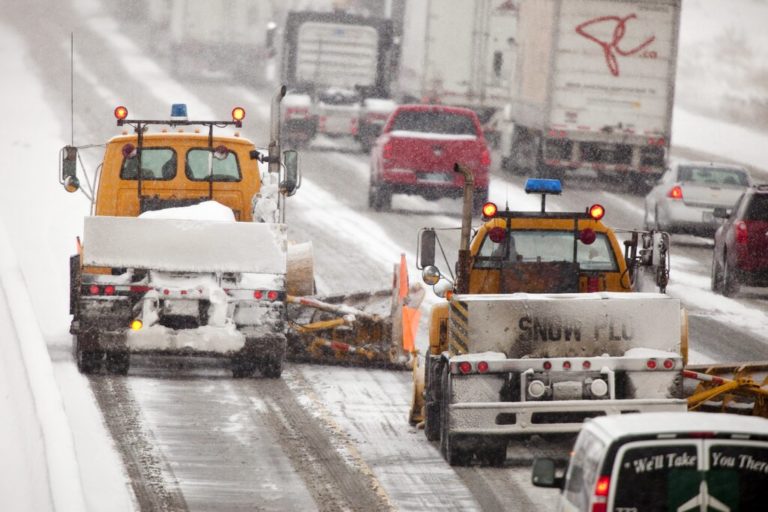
[72, 86]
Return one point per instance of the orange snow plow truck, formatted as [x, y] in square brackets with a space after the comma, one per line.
[538, 333]
[186, 253]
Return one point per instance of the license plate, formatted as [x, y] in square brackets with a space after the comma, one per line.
[180, 307]
[435, 177]
[707, 217]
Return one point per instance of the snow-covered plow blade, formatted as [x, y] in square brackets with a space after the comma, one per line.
[733, 388]
[372, 329]
[183, 245]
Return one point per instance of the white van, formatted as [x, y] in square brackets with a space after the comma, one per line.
[678, 462]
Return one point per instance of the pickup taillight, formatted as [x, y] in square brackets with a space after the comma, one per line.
[485, 158]
[387, 151]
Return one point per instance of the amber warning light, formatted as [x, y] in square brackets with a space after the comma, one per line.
[121, 113]
[596, 211]
[238, 114]
[489, 210]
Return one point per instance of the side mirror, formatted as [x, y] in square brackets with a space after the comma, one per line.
[720, 213]
[427, 248]
[543, 474]
[68, 170]
[291, 179]
[430, 275]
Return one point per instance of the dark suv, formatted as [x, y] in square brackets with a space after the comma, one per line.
[741, 244]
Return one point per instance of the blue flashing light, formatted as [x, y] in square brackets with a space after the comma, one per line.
[179, 110]
[543, 186]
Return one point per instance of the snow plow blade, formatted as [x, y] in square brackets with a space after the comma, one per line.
[739, 388]
[184, 245]
[358, 329]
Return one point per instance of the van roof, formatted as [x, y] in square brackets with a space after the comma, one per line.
[642, 424]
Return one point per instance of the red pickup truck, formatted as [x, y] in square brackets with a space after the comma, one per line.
[417, 150]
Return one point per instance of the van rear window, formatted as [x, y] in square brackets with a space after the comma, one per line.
[656, 477]
[738, 475]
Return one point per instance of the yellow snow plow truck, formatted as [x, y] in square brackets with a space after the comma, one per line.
[538, 331]
[186, 253]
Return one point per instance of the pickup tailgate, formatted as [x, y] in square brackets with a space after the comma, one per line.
[184, 245]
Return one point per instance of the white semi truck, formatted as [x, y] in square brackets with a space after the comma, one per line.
[458, 53]
[593, 89]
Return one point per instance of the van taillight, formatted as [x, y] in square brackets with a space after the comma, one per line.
[602, 487]
[485, 158]
[593, 283]
[741, 232]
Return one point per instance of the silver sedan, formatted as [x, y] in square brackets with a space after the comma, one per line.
[686, 195]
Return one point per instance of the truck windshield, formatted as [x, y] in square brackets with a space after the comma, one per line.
[204, 164]
[156, 164]
[546, 245]
[433, 122]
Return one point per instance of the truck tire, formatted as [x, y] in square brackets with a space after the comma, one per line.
[731, 283]
[454, 455]
[716, 278]
[431, 399]
[117, 363]
[493, 453]
[379, 196]
[243, 367]
[272, 368]
[87, 358]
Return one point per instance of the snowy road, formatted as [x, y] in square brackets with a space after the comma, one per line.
[326, 438]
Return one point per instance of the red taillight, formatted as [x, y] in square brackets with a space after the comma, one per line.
[465, 367]
[741, 232]
[656, 141]
[482, 367]
[675, 192]
[669, 364]
[651, 364]
[566, 365]
[258, 294]
[593, 283]
[109, 290]
[586, 365]
[94, 289]
[602, 488]
[547, 365]
[485, 158]
[272, 295]
[387, 151]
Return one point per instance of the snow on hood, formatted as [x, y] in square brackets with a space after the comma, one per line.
[207, 210]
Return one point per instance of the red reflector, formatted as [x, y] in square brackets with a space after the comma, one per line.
[651, 364]
[566, 365]
[109, 290]
[676, 192]
[166, 292]
[587, 236]
[497, 235]
[465, 367]
[258, 294]
[272, 295]
[593, 284]
[94, 289]
[586, 365]
[669, 364]
[140, 289]
[386, 152]
[482, 367]
[547, 365]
